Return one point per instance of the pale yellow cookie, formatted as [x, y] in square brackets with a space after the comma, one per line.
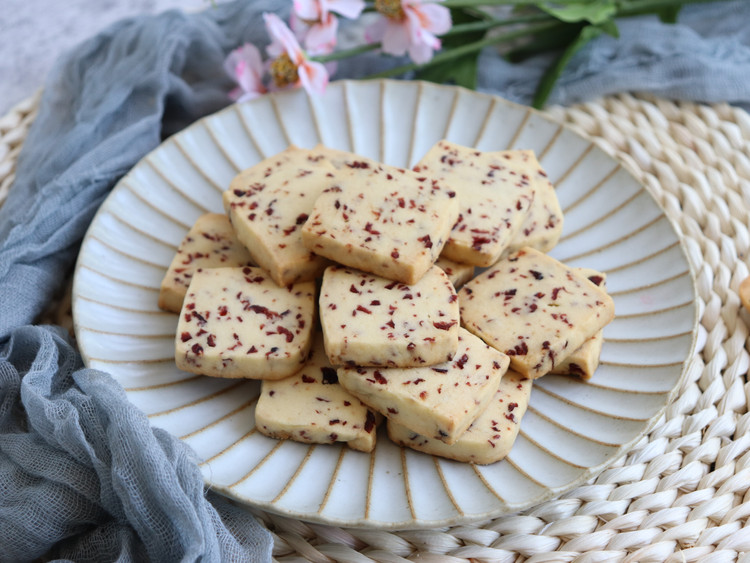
[268, 204]
[440, 401]
[489, 438]
[383, 220]
[210, 243]
[368, 320]
[311, 406]
[458, 273]
[236, 322]
[495, 191]
[535, 309]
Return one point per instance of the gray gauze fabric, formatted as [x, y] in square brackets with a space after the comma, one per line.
[80, 468]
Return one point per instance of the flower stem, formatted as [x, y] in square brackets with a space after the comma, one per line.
[346, 53]
[493, 23]
[466, 49]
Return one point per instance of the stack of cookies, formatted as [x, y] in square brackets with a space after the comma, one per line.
[348, 287]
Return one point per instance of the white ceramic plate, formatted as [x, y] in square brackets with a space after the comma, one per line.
[572, 430]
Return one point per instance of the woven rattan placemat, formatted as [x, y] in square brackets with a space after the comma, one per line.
[683, 492]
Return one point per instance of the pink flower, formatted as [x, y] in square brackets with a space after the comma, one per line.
[410, 26]
[290, 66]
[314, 21]
[245, 66]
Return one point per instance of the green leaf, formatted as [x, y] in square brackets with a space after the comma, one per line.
[669, 14]
[547, 82]
[554, 40]
[571, 11]
[461, 71]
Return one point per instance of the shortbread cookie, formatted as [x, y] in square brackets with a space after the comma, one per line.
[268, 204]
[368, 320]
[458, 273]
[312, 407]
[489, 438]
[543, 225]
[210, 243]
[381, 219]
[584, 361]
[339, 158]
[236, 322]
[440, 401]
[535, 309]
[495, 191]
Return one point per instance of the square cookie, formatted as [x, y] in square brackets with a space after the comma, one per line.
[368, 320]
[489, 438]
[236, 322]
[535, 309]
[439, 401]
[495, 192]
[311, 406]
[383, 220]
[268, 204]
[210, 243]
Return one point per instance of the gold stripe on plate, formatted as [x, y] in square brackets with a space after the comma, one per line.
[219, 145]
[133, 228]
[550, 143]
[586, 408]
[149, 161]
[550, 452]
[655, 312]
[515, 466]
[248, 131]
[519, 129]
[436, 461]
[332, 482]
[118, 280]
[590, 383]
[407, 486]
[121, 308]
[368, 496]
[134, 362]
[242, 438]
[200, 400]
[451, 114]
[554, 422]
[618, 240]
[575, 164]
[219, 420]
[629, 365]
[485, 121]
[266, 457]
[652, 338]
[650, 285]
[413, 134]
[279, 120]
[347, 113]
[594, 189]
[606, 216]
[486, 483]
[196, 166]
[381, 99]
[316, 122]
[115, 333]
[297, 471]
[127, 254]
[192, 377]
[159, 210]
[643, 259]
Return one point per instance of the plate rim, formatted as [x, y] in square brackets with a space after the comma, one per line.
[417, 524]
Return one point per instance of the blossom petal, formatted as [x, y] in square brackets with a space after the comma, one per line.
[245, 66]
[376, 30]
[321, 37]
[432, 17]
[307, 9]
[313, 77]
[282, 39]
[348, 8]
[396, 39]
